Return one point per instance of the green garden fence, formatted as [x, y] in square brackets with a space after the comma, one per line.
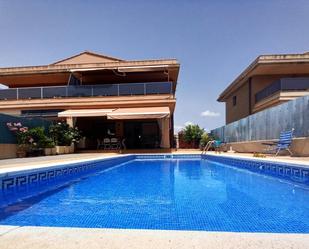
[8, 137]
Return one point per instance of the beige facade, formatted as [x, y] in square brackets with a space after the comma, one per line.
[241, 108]
[90, 81]
[262, 74]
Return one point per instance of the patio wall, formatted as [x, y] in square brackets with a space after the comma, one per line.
[247, 134]
[299, 147]
[8, 139]
[7, 151]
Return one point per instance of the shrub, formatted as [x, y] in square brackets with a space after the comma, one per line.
[37, 137]
[47, 142]
[192, 133]
[205, 139]
[64, 135]
[32, 138]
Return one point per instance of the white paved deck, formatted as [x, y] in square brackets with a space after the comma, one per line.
[35, 162]
[81, 238]
[301, 161]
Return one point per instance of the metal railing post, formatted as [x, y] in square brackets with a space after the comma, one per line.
[118, 89]
[17, 93]
[41, 92]
[145, 88]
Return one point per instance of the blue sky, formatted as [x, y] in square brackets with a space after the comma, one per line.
[213, 40]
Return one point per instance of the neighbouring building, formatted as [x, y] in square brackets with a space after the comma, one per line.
[270, 96]
[101, 95]
[268, 81]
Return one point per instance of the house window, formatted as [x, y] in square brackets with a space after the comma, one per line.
[41, 113]
[234, 100]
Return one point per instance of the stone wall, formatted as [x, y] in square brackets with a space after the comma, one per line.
[7, 151]
[299, 147]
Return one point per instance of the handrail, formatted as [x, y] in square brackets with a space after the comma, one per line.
[207, 146]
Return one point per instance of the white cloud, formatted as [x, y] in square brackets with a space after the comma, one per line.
[178, 128]
[188, 123]
[208, 113]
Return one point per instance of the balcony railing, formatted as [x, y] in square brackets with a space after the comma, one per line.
[284, 84]
[87, 90]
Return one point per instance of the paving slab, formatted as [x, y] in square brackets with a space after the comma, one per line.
[77, 238]
[7, 165]
[302, 161]
[6, 229]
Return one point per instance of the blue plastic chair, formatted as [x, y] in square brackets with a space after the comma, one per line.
[284, 143]
[217, 145]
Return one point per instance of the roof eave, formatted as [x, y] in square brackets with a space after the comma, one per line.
[262, 59]
[242, 76]
[68, 67]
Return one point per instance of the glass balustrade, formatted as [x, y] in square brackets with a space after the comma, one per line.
[29, 93]
[105, 90]
[283, 84]
[79, 91]
[87, 90]
[8, 94]
[132, 89]
[159, 88]
[54, 92]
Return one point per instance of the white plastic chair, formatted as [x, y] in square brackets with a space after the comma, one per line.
[106, 143]
[115, 143]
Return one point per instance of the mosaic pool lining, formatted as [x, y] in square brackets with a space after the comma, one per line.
[286, 171]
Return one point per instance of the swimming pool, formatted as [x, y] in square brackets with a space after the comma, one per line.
[160, 192]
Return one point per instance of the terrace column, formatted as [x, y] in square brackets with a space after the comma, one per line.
[164, 124]
[70, 121]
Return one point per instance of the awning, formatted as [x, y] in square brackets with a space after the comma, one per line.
[139, 113]
[85, 113]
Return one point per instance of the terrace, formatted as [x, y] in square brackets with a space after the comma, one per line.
[280, 91]
[283, 85]
[94, 90]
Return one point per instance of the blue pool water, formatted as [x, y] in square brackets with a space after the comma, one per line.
[169, 194]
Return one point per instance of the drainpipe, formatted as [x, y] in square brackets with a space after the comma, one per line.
[250, 93]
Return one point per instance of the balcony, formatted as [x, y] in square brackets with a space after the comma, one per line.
[283, 85]
[98, 90]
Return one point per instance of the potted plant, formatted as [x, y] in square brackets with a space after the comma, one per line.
[22, 150]
[22, 143]
[56, 132]
[73, 137]
[37, 141]
[64, 137]
[22, 137]
[49, 146]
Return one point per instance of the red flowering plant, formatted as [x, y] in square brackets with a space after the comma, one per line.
[30, 140]
[21, 132]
